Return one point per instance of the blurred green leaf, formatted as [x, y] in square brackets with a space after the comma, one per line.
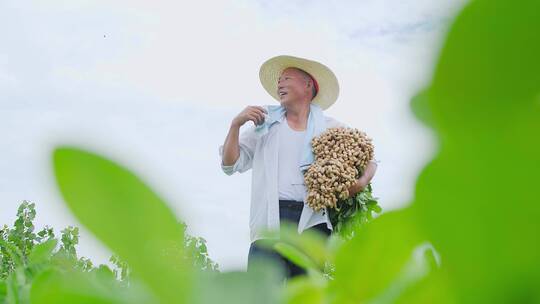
[42, 252]
[12, 289]
[263, 284]
[420, 108]
[104, 273]
[477, 200]
[311, 243]
[147, 235]
[368, 264]
[296, 256]
[3, 291]
[69, 287]
[433, 288]
[304, 290]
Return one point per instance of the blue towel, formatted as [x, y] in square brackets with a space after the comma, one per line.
[315, 126]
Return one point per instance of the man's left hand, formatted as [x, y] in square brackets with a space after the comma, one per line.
[364, 180]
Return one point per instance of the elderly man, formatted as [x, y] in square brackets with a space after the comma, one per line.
[277, 148]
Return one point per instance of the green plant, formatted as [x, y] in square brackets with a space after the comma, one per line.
[25, 254]
[354, 212]
[196, 250]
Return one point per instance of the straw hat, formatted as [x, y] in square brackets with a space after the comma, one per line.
[325, 80]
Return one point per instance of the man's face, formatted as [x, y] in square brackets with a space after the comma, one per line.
[292, 87]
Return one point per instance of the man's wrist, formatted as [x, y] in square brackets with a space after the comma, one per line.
[353, 189]
[359, 185]
[235, 125]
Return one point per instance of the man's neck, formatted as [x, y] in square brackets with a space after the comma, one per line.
[297, 116]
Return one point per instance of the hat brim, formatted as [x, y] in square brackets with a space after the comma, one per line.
[271, 70]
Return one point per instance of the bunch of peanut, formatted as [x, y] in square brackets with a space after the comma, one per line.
[341, 154]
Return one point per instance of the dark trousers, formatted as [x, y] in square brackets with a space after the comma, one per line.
[288, 211]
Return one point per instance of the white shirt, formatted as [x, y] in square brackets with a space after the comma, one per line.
[260, 153]
[290, 180]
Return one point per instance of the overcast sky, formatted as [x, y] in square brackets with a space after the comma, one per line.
[155, 85]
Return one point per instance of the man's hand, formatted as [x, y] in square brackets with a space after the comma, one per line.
[364, 180]
[253, 113]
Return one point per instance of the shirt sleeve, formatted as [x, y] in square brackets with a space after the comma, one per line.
[246, 142]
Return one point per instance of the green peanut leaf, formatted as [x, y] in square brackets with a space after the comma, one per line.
[42, 252]
[295, 256]
[128, 217]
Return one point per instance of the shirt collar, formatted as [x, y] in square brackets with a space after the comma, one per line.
[275, 114]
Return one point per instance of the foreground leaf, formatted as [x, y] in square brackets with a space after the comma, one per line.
[128, 217]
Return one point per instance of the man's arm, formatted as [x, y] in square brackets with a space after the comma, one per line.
[237, 151]
[364, 180]
[231, 150]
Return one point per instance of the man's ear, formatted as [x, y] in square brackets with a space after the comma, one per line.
[309, 85]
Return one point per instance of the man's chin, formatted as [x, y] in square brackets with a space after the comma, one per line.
[284, 102]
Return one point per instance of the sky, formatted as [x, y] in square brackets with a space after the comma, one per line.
[154, 86]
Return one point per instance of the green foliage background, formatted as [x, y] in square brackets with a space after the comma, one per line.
[25, 255]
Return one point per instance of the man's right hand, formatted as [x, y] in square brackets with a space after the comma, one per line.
[253, 113]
